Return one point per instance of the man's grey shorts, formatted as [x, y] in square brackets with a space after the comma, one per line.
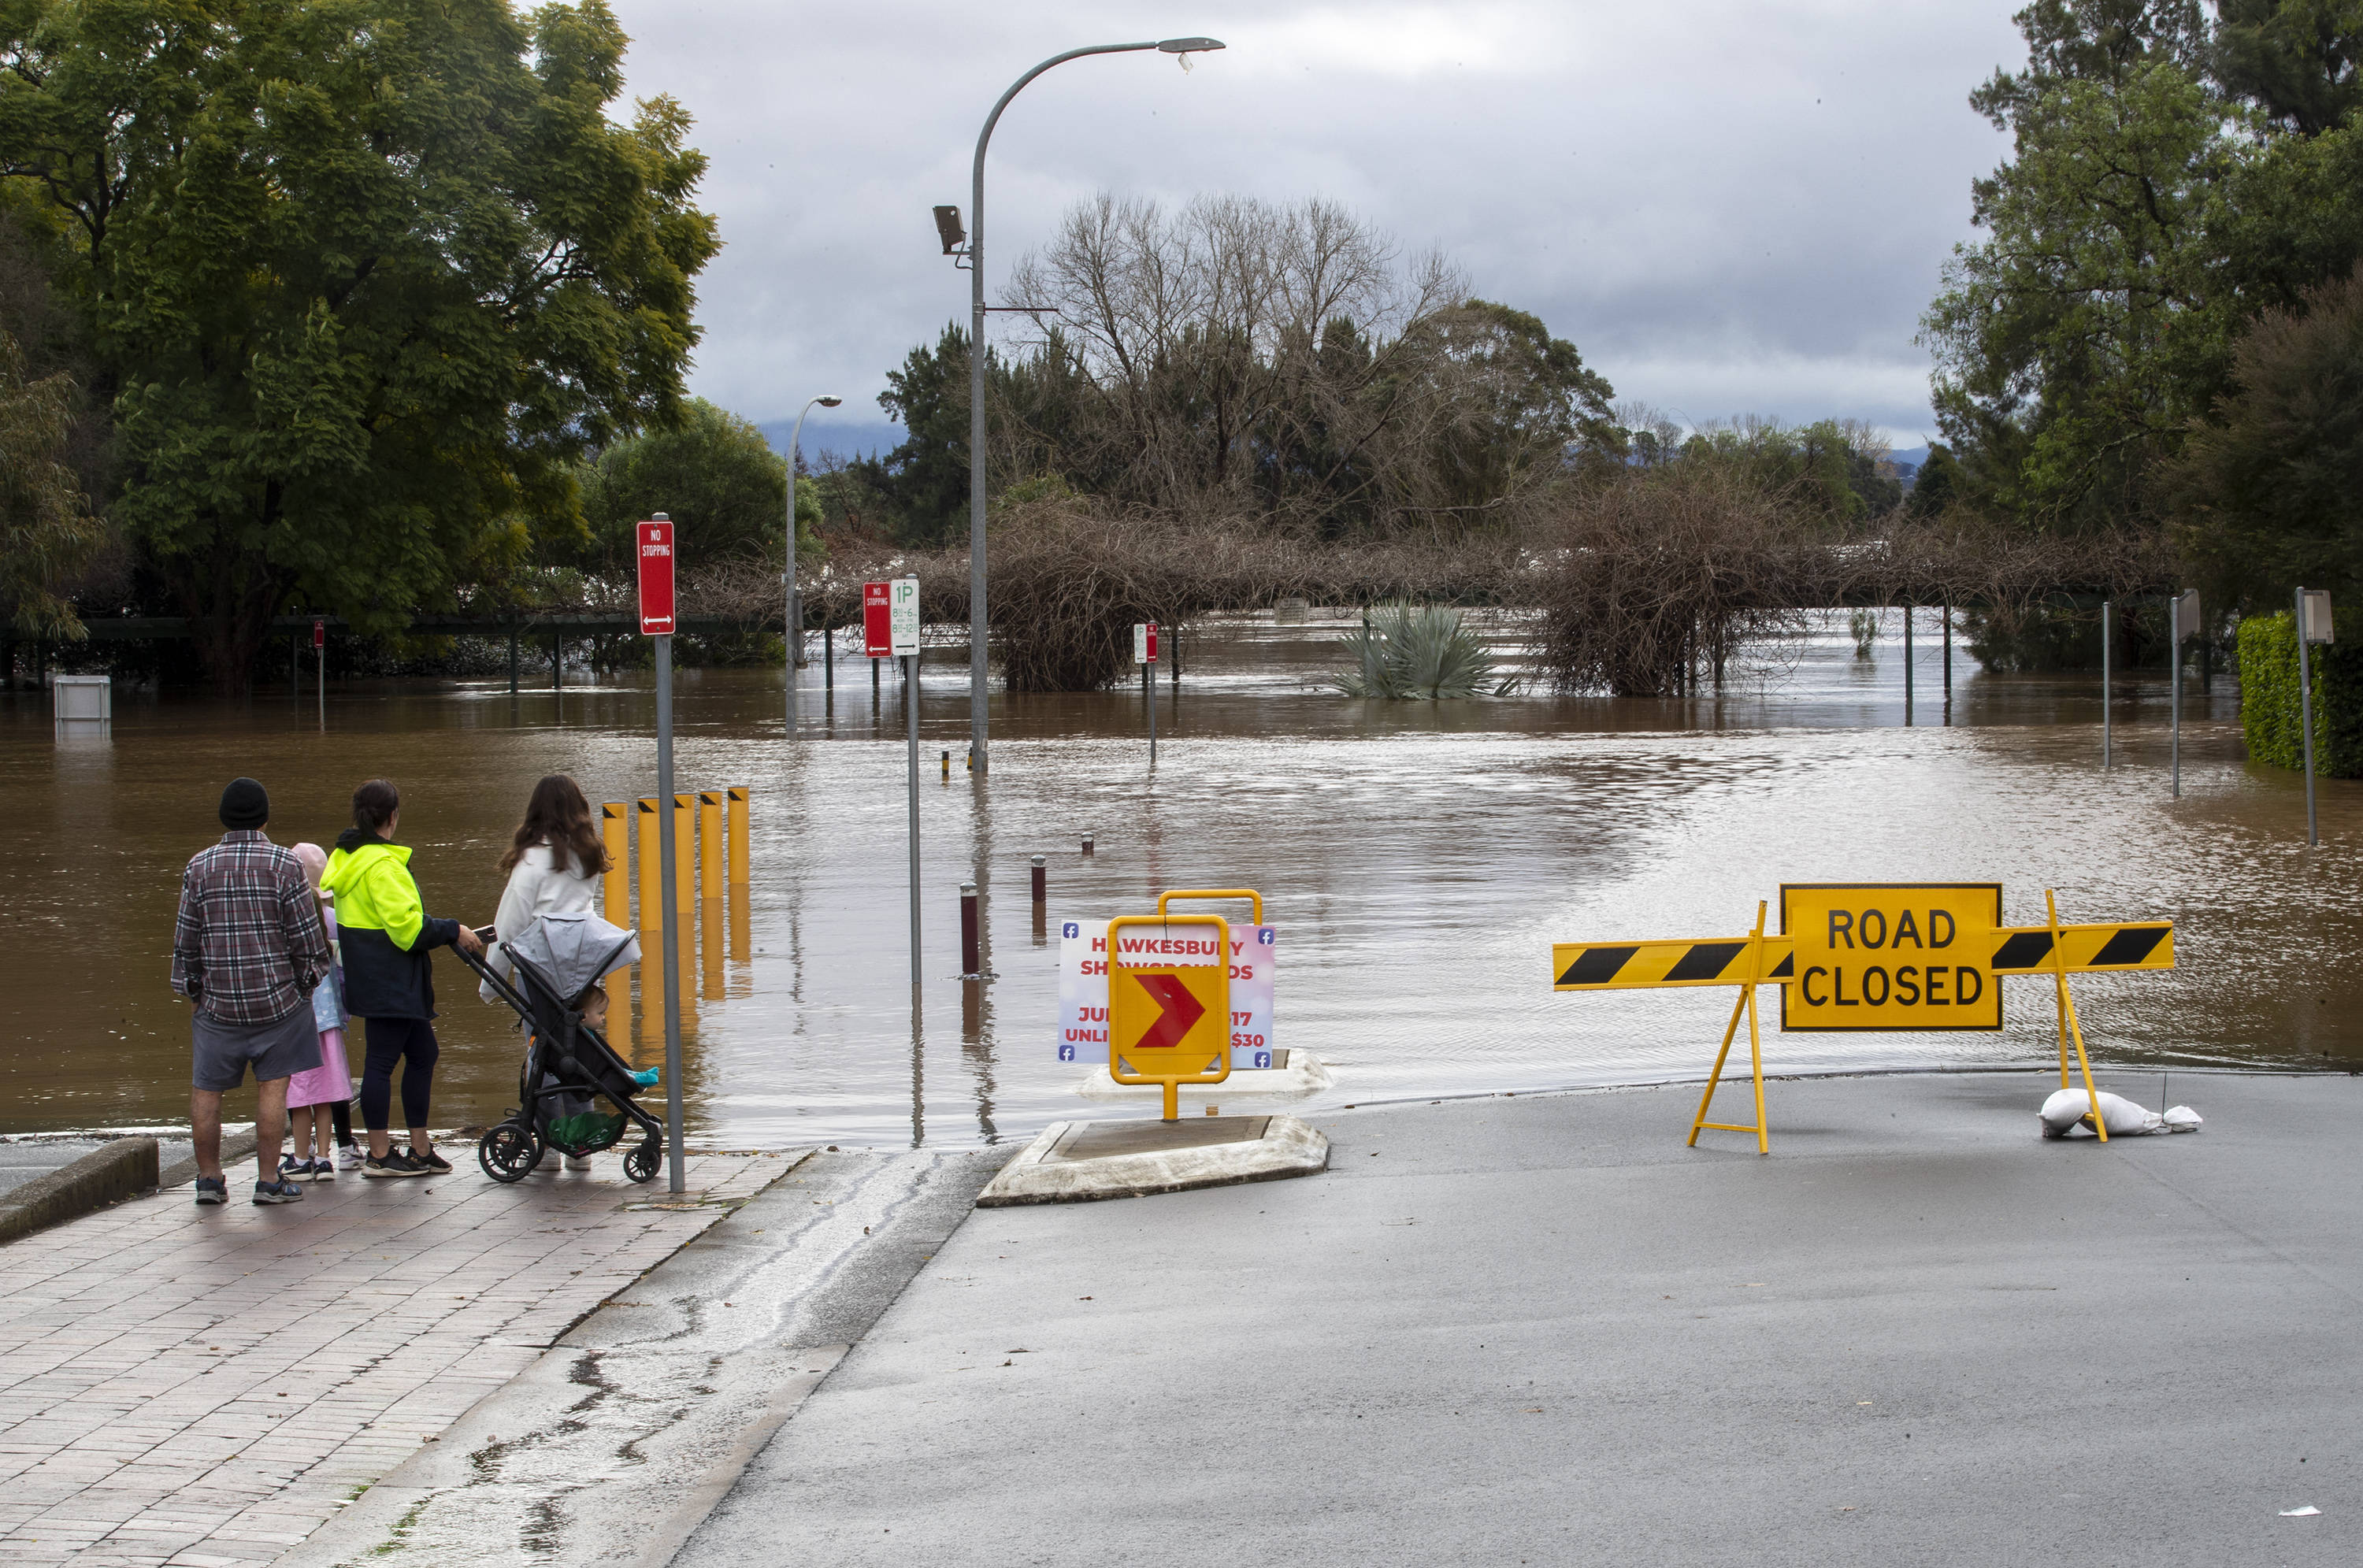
[280, 1049]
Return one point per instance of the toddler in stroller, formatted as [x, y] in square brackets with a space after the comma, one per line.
[554, 967]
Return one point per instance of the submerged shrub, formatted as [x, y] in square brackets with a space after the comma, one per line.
[1405, 651]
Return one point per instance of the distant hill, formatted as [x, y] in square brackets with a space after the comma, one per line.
[827, 431]
[1907, 461]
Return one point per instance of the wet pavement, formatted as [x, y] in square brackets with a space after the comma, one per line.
[1419, 859]
[209, 1386]
[1542, 1330]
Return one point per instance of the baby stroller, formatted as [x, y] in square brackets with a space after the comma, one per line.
[558, 963]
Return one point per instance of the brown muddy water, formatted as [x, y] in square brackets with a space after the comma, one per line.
[1420, 859]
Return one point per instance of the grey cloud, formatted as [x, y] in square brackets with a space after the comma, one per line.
[1728, 208]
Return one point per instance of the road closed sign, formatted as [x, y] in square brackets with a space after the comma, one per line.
[1898, 955]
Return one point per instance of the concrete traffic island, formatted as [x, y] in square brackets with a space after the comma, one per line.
[1082, 1162]
[1293, 1075]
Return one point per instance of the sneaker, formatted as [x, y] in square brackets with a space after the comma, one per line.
[212, 1189]
[430, 1162]
[324, 1170]
[293, 1169]
[349, 1156]
[395, 1163]
[282, 1191]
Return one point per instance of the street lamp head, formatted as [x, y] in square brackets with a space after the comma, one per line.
[828, 399]
[1187, 45]
[949, 229]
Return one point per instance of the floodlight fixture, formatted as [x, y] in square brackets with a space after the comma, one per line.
[949, 229]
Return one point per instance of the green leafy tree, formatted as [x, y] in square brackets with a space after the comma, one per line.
[47, 532]
[1938, 483]
[365, 278]
[925, 480]
[712, 473]
[2075, 343]
[2268, 487]
[1524, 400]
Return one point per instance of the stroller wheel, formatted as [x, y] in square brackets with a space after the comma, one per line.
[509, 1151]
[641, 1165]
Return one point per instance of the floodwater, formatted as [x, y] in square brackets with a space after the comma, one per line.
[1419, 858]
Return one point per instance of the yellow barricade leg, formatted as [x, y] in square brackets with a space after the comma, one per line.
[1747, 1004]
[2068, 1028]
[1730, 1032]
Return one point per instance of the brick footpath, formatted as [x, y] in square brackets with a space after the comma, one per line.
[206, 1387]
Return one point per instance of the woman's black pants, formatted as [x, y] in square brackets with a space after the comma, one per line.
[410, 1040]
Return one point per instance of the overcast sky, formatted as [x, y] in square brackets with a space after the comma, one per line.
[1728, 208]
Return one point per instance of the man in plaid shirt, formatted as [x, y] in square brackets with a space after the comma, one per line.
[248, 950]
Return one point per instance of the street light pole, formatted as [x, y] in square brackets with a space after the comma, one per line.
[794, 625]
[976, 605]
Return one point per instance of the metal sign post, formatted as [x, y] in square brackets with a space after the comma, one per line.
[656, 574]
[2313, 626]
[320, 656]
[2183, 616]
[1144, 653]
[903, 632]
[2105, 629]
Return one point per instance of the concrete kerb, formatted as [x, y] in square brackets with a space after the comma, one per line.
[123, 1168]
[1284, 1147]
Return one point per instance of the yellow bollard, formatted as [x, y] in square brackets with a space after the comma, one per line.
[709, 843]
[684, 870]
[615, 833]
[615, 886]
[737, 794]
[651, 890]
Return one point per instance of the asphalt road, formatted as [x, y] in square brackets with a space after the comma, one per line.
[1540, 1330]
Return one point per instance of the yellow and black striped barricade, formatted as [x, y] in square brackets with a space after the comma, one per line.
[1843, 930]
[1745, 962]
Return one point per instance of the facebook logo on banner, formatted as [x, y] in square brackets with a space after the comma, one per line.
[1070, 929]
[1066, 1053]
[1264, 937]
[1263, 1058]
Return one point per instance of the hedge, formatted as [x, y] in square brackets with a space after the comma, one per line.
[2269, 704]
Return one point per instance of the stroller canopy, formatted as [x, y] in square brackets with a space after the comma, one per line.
[576, 951]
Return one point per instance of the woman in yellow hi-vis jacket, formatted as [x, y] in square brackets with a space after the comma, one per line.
[386, 937]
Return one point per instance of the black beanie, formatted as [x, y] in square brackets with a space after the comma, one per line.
[244, 805]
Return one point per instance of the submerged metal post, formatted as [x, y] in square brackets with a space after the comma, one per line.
[1907, 664]
[1041, 880]
[2107, 652]
[972, 965]
[2305, 716]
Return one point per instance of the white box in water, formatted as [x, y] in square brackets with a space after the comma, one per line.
[82, 698]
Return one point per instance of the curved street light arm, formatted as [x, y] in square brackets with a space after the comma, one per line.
[976, 604]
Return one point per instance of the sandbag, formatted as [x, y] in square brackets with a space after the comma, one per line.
[2065, 1110]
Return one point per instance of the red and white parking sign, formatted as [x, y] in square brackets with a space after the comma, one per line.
[656, 579]
[877, 620]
